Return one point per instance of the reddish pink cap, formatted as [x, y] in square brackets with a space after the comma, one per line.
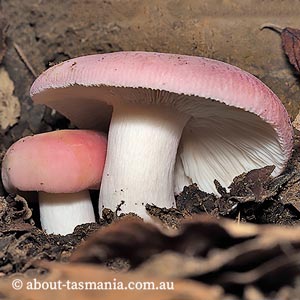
[65, 161]
[84, 88]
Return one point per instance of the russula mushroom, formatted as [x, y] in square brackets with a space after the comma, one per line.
[61, 166]
[211, 118]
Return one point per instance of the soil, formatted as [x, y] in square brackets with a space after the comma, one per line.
[36, 34]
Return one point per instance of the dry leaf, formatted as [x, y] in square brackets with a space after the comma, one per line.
[9, 104]
[291, 45]
[231, 255]
[252, 183]
[127, 239]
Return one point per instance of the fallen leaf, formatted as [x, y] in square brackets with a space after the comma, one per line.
[9, 104]
[291, 45]
[252, 184]
[191, 199]
[290, 39]
[128, 239]
[234, 256]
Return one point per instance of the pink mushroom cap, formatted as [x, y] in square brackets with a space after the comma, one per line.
[65, 161]
[82, 81]
[173, 120]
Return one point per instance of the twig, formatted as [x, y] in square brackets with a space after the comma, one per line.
[239, 218]
[272, 27]
[24, 59]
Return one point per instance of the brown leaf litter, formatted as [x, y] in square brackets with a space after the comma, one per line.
[218, 252]
[22, 244]
[206, 259]
[252, 197]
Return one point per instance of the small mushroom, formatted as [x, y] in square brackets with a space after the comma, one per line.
[173, 120]
[61, 166]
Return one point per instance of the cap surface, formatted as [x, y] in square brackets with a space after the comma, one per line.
[65, 161]
[180, 74]
[84, 88]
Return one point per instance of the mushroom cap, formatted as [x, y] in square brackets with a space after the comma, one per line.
[84, 89]
[65, 161]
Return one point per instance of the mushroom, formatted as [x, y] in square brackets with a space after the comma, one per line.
[211, 118]
[61, 166]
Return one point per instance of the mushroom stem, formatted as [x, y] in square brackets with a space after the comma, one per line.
[61, 213]
[139, 167]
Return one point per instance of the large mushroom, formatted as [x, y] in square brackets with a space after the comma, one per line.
[211, 118]
[61, 166]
